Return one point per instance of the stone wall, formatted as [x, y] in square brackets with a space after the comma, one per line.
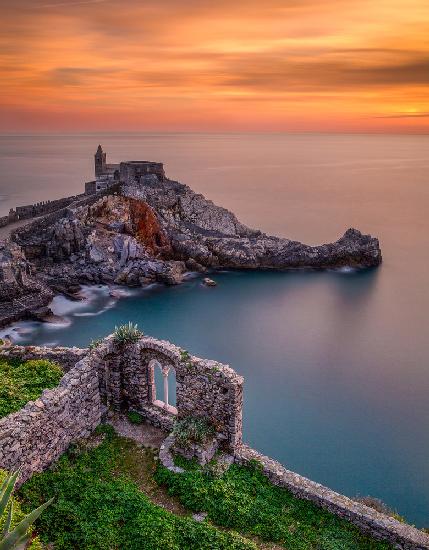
[22, 234]
[203, 387]
[368, 520]
[38, 434]
[44, 207]
[131, 172]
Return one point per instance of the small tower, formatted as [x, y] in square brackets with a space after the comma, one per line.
[100, 162]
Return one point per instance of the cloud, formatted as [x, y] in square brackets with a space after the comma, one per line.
[238, 60]
[70, 3]
[77, 75]
[405, 115]
[267, 72]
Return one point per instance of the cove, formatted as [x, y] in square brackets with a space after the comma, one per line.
[326, 391]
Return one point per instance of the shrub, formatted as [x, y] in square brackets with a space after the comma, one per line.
[95, 343]
[135, 417]
[184, 355]
[192, 430]
[23, 382]
[127, 334]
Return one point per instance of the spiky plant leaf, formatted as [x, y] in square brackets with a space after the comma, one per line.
[6, 491]
[19, 534]
[8, 520]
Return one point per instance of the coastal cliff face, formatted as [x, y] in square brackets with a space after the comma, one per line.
[153, 231]
[213, 237]
[21, 293]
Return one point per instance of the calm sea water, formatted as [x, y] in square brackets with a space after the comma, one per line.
[336, 364]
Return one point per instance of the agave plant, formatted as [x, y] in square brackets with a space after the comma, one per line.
[18, 537]
[128, 333]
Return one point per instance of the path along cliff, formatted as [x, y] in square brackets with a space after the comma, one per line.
[151, 231]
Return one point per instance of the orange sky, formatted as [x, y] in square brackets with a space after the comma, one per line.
[272, 65]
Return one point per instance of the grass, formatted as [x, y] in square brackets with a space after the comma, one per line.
[23, 382]
[117, 496]
[99, 505]
[243, 499]
[193, 430]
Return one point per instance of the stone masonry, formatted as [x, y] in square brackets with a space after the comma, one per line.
[121, 377]
[38, 434]
[203, 387]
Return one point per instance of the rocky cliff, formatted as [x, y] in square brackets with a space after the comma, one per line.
[155, 231]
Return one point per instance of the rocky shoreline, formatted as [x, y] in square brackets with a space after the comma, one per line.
[153, 230]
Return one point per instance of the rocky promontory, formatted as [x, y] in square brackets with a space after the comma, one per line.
[153, 230]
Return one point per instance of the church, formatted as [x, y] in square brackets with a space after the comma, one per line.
[128, 172]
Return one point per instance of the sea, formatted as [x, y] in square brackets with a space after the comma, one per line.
[336, 363]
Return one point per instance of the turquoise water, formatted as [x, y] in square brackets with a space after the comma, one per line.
[336, 364]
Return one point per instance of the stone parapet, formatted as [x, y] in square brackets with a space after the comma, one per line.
[368, 520]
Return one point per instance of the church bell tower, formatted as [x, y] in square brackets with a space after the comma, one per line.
[100, 162]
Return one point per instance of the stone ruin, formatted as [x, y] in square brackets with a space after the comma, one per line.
[121, 378]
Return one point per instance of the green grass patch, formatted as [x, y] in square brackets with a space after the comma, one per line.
[23, 382]
[243, 499]
[134, 417]
[98, 506]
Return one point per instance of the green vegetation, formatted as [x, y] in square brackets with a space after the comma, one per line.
[95, 343]
[107, 496]
[99, 506]
[15, 526]
[190, 430]
[23, 382]
[243, 499]
[184, 355]
[135, 417]
[127, 334]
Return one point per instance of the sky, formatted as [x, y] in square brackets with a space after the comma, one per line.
[224, 65]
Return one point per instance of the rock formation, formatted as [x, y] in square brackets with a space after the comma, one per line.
[153, 230]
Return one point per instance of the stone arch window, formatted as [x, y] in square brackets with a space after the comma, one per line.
[166, 371]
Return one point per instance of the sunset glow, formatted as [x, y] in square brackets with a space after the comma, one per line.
[278, 65]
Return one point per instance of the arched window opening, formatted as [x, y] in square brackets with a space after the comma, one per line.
[163, 386]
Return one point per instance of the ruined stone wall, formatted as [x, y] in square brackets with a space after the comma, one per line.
[38, 434]
[203, 387]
